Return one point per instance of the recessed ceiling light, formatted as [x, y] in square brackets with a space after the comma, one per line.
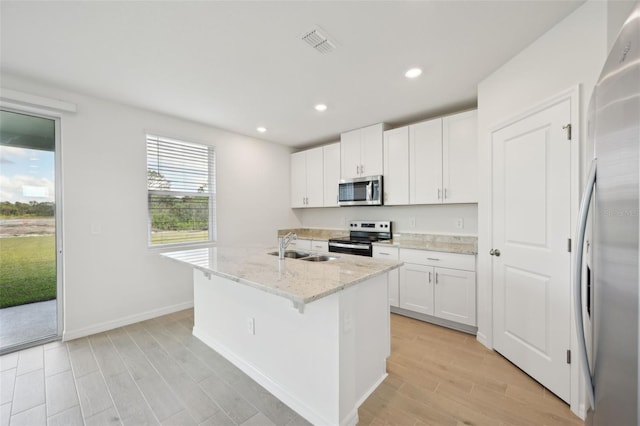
[413, 73]
[261, 129]
[321, 107]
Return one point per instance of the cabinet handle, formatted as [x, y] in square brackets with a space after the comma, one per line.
[362, 168]
[384, 254]
[432, 258]
[429, 277]
[438, 193]
[445, 193]
[436, 278]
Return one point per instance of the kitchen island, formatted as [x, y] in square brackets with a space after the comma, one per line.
[315, 334]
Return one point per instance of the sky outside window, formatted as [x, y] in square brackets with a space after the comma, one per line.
[26, 175]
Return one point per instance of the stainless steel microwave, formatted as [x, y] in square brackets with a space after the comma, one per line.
[362, 191]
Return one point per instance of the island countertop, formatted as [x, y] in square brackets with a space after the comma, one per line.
[295, 279]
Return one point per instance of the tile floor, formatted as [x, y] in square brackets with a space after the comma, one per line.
[153, 372]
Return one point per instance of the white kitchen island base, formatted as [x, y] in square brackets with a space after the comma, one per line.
[322, 362]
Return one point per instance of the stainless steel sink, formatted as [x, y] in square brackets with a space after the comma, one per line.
[292, 254]
[319, 258]
[295, 254]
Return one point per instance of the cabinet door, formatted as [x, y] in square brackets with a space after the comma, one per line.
[315, 184]
[460, 158]
[300, 244]
[350, 154]
[394, 288]
[298, 179]
[320, 246]
[331, 178]
[396, 166]
[455, 295]
[371, 150]
[416, 288]
[425, 162]
[394, 276]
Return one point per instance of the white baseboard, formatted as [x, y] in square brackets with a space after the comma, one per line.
[482, 338]
[121, 322]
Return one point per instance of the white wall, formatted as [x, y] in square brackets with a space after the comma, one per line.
[112, 277]
[432, 219]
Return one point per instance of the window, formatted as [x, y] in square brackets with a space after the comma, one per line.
[181, 186]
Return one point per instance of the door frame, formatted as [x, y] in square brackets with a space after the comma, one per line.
[577, 396]
[15, 105]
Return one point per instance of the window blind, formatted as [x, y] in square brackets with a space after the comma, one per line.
[181, 191]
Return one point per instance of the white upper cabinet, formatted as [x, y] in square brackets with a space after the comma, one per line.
[361, 151]
[396, 171]
[425, 162]
[460, 157]
[298, 179]
[371, 145]
[307, 186]
[443, 157]
[331, 154]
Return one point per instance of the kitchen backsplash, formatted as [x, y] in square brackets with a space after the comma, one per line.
[431, 219]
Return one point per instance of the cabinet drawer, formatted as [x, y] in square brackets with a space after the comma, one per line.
[300, 244]
[386, 252]
[466, 262]
[322, 246]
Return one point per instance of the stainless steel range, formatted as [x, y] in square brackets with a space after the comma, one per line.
[361, 235]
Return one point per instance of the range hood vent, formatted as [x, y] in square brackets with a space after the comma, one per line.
[318, 39]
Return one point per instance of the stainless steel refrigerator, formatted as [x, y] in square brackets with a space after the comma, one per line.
[607, 300]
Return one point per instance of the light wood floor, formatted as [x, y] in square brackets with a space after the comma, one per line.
[439, 377]
[156, 372]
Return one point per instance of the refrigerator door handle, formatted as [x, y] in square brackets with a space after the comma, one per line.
[577, 279]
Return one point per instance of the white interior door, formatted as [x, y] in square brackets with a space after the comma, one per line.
[531, 227]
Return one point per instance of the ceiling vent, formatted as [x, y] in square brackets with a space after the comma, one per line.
[319, 40]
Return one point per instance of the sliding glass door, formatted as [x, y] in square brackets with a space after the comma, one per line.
[29, 284]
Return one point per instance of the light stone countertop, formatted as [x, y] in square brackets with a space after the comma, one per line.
[295, 279]
[443, 243]
[461, 244]
[315, 233]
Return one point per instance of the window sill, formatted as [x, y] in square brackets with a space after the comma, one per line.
[181, 246]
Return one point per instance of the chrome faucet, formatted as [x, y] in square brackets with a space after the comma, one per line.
[283, 242]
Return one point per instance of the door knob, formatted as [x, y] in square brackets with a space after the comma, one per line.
[495, 252]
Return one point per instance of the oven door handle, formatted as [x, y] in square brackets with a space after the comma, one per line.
[350, 246]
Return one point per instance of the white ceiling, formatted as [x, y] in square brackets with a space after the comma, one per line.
[237, 65]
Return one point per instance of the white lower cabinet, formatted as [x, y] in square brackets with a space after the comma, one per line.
[320, 246]
[455, 295]
[394, 276]
[416, 288]
[299, 244]
[442, 285]
[303, 244]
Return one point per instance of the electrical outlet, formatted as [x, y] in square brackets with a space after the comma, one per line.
[459, 223]
[251, 326]
[412, 222]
